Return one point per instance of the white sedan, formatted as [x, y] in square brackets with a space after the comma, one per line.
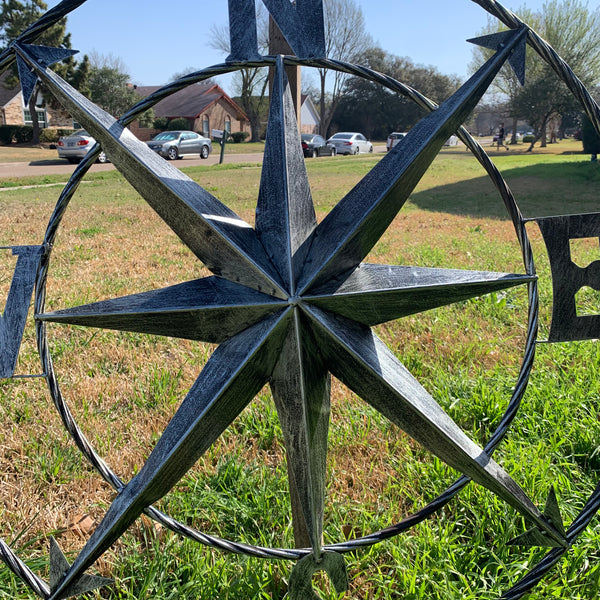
[350, 143]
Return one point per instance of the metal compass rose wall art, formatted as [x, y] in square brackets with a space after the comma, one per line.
[291, 302]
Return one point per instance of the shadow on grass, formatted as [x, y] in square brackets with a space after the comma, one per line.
[543, 189]
[48, 161]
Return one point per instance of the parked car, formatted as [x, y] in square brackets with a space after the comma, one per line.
[393, 139]
[177, 144]
[350, 143]
[74, 147]
[315, 145]
[451, 141]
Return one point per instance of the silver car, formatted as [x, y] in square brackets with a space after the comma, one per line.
[350, 143]
[177, 144]
[74, 147]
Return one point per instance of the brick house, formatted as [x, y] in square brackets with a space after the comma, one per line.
[14, 112]
[206, 106]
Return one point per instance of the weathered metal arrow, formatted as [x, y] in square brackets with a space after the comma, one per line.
[349, 232]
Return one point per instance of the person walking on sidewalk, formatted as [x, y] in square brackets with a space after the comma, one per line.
[500, 138]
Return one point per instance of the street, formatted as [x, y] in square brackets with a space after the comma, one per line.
[58, 166]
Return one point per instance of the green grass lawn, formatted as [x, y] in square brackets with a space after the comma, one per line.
[123, 388]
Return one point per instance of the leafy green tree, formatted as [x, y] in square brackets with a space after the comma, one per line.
[573, 30]
[506, 86]
[376, 111]
[110, 89]
[15, 17]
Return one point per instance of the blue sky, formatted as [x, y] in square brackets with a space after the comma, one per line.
[155, 40]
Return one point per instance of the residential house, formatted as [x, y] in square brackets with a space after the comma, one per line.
[309, 115]
[205, 105]
[14, 112]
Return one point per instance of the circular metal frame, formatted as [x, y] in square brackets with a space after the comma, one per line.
[593, 503]
[409, 521]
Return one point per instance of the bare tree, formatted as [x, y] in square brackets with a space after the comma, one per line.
[250, 85]
[345, 39]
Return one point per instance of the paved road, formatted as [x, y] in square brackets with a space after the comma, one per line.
[58, 166]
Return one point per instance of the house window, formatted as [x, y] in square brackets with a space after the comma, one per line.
[205, 126]
[41, 115]
[228, 124]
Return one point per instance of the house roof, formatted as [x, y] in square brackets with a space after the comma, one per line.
[191, 101]
[310, 114]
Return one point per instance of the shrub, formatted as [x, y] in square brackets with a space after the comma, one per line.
[23, 134]
[19, 134]
[528, 139]
[160, 123]
[179, 123]
[6, 134]
[49, 136]
[589, 137]
[239, 136]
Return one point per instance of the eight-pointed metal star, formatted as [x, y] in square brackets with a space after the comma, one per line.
[290, 302]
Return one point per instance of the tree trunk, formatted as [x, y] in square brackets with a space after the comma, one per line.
[513, 139]
[544, 134]
[255, 125]
[541, 135]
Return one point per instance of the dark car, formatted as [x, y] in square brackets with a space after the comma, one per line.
[177, 144]
[315, 145]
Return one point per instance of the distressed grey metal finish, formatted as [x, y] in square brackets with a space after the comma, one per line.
[301, 23]
[349, 232]
[495, 42]
[243, 31]
[374, 294]
[59, 565]
[300, 587]
[290, 302]
[12, 322]
[210, 310]
[285, 215]
[45, 56]
[568, 278]
[226, 244]
[288, 347]
[61, 10]
[357, 357]
[235, 373]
